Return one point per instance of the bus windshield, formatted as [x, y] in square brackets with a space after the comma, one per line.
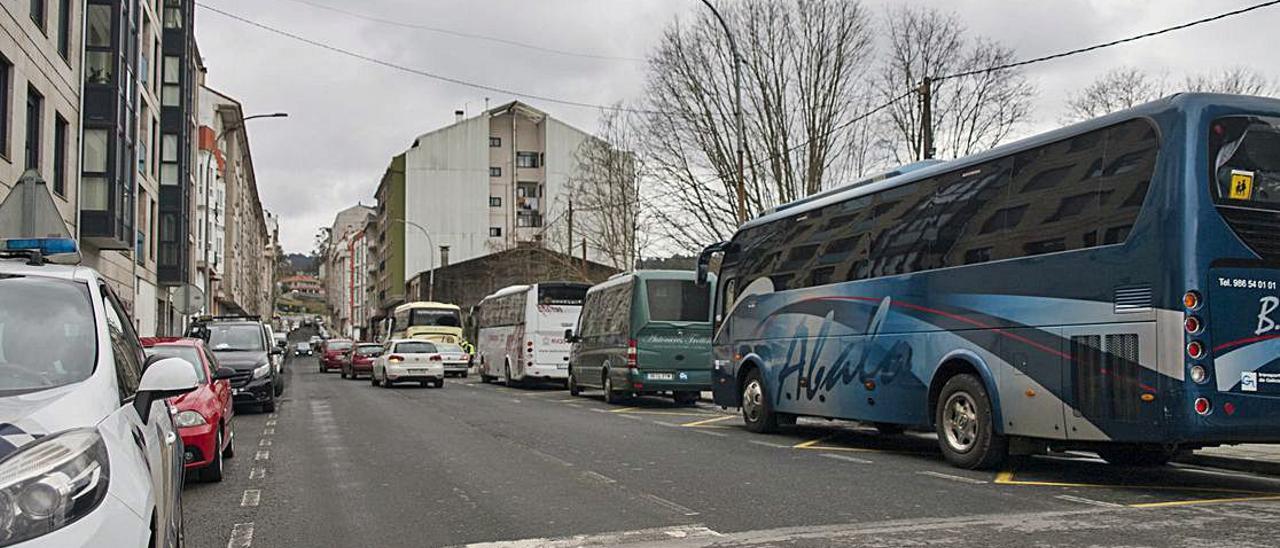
[677, 301]
[434, 317]
[1247, 161]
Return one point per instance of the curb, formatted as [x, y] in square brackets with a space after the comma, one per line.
[1229, 463]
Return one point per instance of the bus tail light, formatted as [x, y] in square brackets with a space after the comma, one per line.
[1195, 349]
[1229, 408]
[1191, 300]
[1193, 325]
[529, 346]
[632, 362]
[1203, 407]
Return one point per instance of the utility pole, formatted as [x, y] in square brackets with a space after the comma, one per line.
[570, 225]
[926, 119]
[737, 112]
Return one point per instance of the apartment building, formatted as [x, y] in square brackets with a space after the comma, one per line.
[346, 269]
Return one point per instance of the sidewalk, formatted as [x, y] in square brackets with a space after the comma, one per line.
[1258, 458]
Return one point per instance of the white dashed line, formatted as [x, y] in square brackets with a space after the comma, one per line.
[257, 473]
[273, 416]
[599, 477]
[598, 410]
[241, 535]
[1090, 502]
[671, 505]
[665, 423]
[960, 479]
[262, 455]
[250, 498]
[710, 433]
[269, 431]
[846, 458]
[769, 444]
[264, 443]
[632, 417]
[271, 422]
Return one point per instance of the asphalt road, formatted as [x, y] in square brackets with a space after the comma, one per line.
[343, 463]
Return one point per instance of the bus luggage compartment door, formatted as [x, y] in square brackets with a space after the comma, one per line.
[1111, 387]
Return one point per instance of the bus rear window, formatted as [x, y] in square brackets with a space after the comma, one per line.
[677, 301]
[1246, 161]
[435, 317]
[565, 295]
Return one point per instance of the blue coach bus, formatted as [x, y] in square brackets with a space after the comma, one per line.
[1110, 286]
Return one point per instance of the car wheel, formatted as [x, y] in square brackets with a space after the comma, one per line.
[213, 472]
[424, 384]
[610, 396]
[440, 383]
[465, 375]
[757, 410]
[321, 365]
[270, 406]
[229, 452]
[574, 389]
[343, 372]
[386, 383]
[966, 431]
[506, 373]
[485, 379]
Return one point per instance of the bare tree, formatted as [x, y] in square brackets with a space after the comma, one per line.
[970, 113]
[1125, 87]
[803, 67]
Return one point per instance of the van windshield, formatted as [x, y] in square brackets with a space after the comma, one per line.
[677, 301]
[54, 347]
[243, 337]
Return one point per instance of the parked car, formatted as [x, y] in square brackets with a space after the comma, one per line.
[302, 349]
[360, 360]
[277, 358]
[333, 352]
[645, 332]
[204, 414]
[241, 343]
[408, 360]
[455, 358]
[86, 457]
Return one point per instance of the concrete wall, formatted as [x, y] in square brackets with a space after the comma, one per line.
[447, 192]
[464, 284]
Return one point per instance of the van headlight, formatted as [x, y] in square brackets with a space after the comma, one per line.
[51, 483]
[189, 418]
[261, 370]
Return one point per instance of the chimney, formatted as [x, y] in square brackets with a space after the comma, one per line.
[444, 256]
[457, 115]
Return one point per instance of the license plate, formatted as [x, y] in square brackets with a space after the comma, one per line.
[417, 371]
[562, 366]
[660, 376]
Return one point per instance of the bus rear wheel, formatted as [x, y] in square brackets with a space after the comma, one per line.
[1146, 456]
[757, 409]
[966, 430]
[572, 383]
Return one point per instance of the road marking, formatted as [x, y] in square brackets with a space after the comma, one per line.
[241, 535]
[810, 443]
[1006, 478]
[846, 458]
[623, 409]
[632, 417]
[650, 537]
[568, 400]
[262, 455]
[769, 444]
[273, 416]
[250, 498]
[665, 423]
[710, 433]
[264, 443]
[598, 410]
[960, 479]
[578, 405]
[670, 505]
[708, 421]
[599, 477]
[1203, 501]
[269, 431]
[271, 422]
[1090, 502]
[257, 473]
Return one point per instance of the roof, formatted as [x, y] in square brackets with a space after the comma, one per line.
[427, 304]
[1181, 102]
[171, 341]
[48, 270]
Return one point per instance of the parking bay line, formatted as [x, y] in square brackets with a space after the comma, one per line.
[241, 535]
[708, 421]
[846, 458]
[1006, 478]
[960, 479]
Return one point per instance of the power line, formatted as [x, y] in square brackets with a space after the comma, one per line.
[1111, 43]
[415, 71]
[459, 34]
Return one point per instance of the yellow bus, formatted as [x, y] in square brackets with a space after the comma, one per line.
[431, 321]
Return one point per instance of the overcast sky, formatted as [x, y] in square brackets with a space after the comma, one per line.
[349, 117]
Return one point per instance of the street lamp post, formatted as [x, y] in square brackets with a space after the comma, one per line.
[737, 111]
[208, 207]
[431, 257]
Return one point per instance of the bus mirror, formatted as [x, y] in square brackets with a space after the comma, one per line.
[704, 262]
[568, 336]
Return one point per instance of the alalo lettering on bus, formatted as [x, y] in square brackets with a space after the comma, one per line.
[1265, 323]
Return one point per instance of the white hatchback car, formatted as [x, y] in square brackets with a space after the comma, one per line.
[408, 360]
[89, 455]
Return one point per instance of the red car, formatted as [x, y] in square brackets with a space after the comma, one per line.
[360, 360]
[203, 415]
[333, 353]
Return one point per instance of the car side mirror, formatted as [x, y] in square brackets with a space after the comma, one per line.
[223, 373]
[276, 351]
[164, 378]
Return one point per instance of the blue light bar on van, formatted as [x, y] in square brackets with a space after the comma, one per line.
[46, 246]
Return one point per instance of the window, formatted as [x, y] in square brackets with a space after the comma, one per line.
[6, 71]
[191, 354]
[677, 301]
[495, 201]
[495, 232]
[38, 13]
[64, 28]
[126, 353]
[173, 14]
[527, 159]
[169, 159]
[171, 92]
[495, 142]
[495, 172]
[99, 60]
[35, 108]
[54, 348]
[60, 129]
